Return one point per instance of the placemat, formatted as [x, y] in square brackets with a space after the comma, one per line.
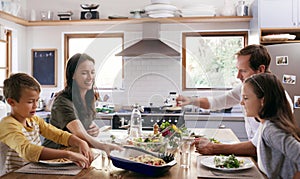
[205, 172]
[50, 170]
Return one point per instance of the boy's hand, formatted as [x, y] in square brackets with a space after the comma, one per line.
[79, 159]
[85, 150]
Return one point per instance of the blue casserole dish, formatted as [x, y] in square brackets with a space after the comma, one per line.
[121, 160]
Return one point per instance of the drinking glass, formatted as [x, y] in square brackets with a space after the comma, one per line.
[185, 151]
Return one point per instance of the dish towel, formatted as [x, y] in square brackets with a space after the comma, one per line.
[51, 170]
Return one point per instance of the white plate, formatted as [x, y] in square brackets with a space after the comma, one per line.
[55, 163]
[158, 15]
[209, 162]
[159, 12]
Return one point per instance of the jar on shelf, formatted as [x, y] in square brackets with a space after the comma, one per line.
[242, 8]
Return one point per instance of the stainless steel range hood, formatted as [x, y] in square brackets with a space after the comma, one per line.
[150, 44]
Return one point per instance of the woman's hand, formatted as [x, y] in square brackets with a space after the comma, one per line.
[93, 130]
[107, 147]
[203, 146]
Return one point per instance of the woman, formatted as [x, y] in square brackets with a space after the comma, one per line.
[73, 109]
[278, 147]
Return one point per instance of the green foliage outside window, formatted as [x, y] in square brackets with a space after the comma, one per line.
[211, 61]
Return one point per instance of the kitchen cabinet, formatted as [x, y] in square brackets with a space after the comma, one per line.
[214, 19]
[278, 13]
[279, 17]
[270, 31]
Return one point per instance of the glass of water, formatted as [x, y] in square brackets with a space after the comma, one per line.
[185, 151]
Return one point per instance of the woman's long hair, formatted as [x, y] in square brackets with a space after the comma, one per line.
[71, 90]
[276, 107]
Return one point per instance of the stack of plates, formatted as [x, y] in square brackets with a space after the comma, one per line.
[161, 9]
[198, 10]
[278, 37]
[65, 15]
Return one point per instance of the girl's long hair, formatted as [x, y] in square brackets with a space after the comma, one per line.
[71, 90]
[276, 107]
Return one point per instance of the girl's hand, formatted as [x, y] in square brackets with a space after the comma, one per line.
[203, 146]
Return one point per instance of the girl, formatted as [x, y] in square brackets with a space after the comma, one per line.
[278, 147]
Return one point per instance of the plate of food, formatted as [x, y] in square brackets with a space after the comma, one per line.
[227, 163]
[57, 162]
[140, 161]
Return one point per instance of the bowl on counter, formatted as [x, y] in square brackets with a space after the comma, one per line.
[121, 159]
[155, 145]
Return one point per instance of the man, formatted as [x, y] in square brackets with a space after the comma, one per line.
[252, 59]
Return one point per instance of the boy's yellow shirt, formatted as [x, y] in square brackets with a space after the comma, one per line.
[12, 135]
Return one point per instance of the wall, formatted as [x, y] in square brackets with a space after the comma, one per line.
[147, 80]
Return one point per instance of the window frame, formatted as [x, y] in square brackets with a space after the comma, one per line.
[8, 42]
[205, 34]
[67, 37]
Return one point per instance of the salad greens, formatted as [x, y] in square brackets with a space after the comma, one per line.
[227, 161]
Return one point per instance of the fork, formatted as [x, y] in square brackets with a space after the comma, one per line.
[167, 157]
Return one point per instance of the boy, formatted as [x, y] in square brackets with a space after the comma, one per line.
[20, 131]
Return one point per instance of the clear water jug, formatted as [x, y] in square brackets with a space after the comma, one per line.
[135, 123]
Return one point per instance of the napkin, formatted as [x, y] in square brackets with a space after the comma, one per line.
[52, 170]
[205, 172]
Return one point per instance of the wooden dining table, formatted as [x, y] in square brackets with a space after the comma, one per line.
[106, 170]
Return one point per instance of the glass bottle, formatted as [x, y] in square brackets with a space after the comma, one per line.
[241, 8]
[135, 123]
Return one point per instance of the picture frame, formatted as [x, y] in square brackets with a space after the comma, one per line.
[282, 60]
[296, 101]
[44, 66]
[289, 79]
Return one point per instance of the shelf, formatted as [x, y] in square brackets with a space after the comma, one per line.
[209, 19]
[271, 31]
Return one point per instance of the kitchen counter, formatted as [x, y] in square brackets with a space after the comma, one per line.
[95, 171]
[234, 121]
[187, 115]
[214, 116]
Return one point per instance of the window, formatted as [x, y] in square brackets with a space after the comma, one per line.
[209, 59]
[5, 57]
[101, 47]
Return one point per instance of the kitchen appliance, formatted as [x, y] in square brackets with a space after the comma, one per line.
[149, 118]
[285, 65]
[150, 45]
[171, 99]
[89, 14]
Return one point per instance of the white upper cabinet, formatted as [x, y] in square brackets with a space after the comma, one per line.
[279, 13]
